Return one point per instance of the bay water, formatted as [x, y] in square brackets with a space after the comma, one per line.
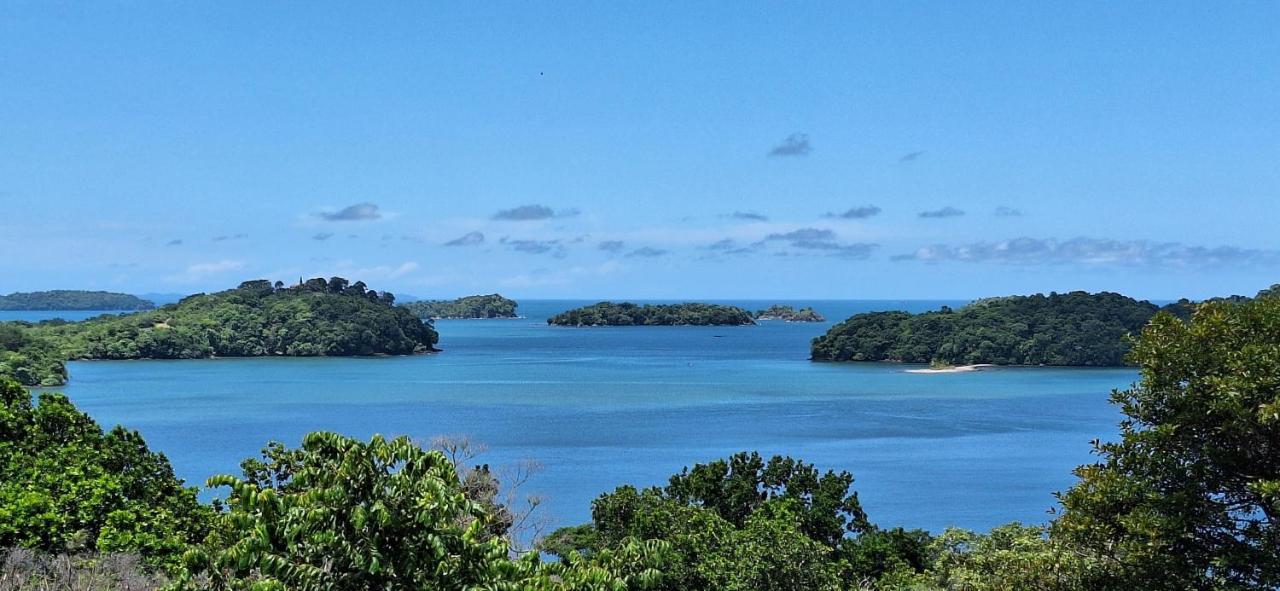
[602, 407]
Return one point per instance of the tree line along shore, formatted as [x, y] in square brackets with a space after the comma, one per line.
[335, 317]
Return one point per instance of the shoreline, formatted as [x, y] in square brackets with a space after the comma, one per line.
[955, 369]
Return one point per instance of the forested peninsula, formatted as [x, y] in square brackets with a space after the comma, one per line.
[73, 299]
[629, 314]
[318, 317]
[469, 307]
[1068, 329]
[789, 314]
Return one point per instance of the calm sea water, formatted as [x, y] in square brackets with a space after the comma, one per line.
[38, 315]
[600, 407]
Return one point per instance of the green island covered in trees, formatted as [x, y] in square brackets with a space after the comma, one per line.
[789, 314]
[318, 317]
[73, 299]
[1188, 497]
[1069, 329]
[629, 314]
[31, 360]
[469, 307]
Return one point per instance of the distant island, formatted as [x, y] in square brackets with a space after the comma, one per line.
[476, 306]
[318, 317]
[629, 314]
[789, 314]
[1071, 329]
[73, 299]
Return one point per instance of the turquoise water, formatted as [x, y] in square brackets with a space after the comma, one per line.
[599, 407]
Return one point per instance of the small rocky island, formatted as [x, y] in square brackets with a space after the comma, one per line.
[469, 307]
[789, 314]
[629, 314]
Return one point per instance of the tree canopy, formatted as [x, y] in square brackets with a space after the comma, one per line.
[339, 513]
[629, 314]
[73, 299]
[476, 306]
[1189, 497]
[67, 486]
[28, 359]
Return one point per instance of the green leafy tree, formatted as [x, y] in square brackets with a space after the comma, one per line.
[65, 486]
[1189, 497]
[28, 359]
[1012, 557]
[736, 487]
[739, 523]
[343, 514]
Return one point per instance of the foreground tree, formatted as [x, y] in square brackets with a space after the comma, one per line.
[1190, 496]
[744, 523]
[65, 486]
[343, 514]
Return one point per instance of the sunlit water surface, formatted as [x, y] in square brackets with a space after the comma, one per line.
[600, 407]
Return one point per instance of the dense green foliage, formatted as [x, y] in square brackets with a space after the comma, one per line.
[744, 523]
[343, 514]
[1076, 328]
[66, 486]
[476, 306]
[31, 360]
[319, 317]
[73, 299]
[629, 314]
[1189, 498]
[789, 314]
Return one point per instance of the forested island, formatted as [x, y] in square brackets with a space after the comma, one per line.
[1070, 329]
[476, 306]
[318, 317]
[73, 299]
[789, 314]
[629, 314]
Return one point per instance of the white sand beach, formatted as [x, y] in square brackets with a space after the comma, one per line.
[956, 369]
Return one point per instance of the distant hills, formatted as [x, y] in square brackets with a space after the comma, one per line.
[73, 299]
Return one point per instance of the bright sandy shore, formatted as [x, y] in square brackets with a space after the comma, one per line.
[956, 369]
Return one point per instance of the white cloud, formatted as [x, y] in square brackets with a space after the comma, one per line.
[201, 271]
[1094, 252]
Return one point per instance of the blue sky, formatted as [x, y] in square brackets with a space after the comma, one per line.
[647, 149]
